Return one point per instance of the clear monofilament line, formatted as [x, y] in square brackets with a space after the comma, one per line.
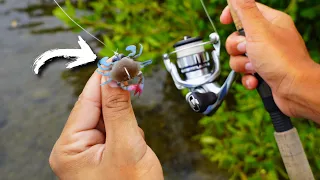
[80, 26]
[205, 9]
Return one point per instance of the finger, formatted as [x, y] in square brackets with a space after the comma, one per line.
[119, 119]
[86, 113]
[226, 17]
[241, 64]
[236, 44]
[272, 15]
[249, 82]
[101, 126]
[85, 140]
[142, 133]
[252, 20]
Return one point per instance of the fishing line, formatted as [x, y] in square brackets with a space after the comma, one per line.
[80, 26]
[205, 9]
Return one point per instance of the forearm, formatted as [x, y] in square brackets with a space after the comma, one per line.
[306, 92]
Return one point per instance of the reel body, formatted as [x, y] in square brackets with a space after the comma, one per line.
[199, 71]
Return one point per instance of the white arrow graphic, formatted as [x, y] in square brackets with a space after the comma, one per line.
[82, 56]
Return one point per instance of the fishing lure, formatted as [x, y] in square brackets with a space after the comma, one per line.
[124, 69]
[120, 69]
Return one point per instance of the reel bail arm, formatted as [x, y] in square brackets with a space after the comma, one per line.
[197, 71]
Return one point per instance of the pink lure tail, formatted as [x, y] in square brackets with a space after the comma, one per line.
[137, 88]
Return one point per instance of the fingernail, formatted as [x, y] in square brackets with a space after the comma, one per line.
[249, 67]
[242, 47]
[248, 84]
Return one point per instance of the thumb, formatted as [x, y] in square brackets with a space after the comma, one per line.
[252, 20]
[120, 122]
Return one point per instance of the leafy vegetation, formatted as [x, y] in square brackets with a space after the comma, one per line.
[239, 137]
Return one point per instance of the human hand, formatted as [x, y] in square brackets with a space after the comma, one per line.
[276, 51]
[102, 140]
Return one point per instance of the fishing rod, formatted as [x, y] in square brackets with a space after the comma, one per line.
[286, 135]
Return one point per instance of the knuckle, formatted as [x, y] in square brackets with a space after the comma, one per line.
[91, 137]
[260, 34]
[142, 133]
[287, 17]
[230, 43]
[248, 4]
[56, 159]
[234, 64]
[285, 20]
[117, 102]
[257, 36]
[138, 147]
[60, 163]
[87, 100]
[53, 162]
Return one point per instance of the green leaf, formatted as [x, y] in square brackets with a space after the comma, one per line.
[309, 13]
[208, 140]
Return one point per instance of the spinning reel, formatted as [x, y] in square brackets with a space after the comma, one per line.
[198, 73]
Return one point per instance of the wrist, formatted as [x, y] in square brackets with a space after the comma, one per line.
[306, 91]
[309, 80]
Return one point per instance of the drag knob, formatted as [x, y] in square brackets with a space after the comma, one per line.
[199, 102]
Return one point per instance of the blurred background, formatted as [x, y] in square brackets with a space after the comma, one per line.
[235, 143]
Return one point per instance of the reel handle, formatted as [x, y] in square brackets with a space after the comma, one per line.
[199, 102]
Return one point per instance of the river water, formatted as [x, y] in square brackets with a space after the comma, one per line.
[33, 109]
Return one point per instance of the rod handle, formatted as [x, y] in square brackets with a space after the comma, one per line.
[280, 121]
[293, 155]
[236, 19]
[287, 138]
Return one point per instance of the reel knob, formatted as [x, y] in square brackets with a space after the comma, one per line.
[199, 102]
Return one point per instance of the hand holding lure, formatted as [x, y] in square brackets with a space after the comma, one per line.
[120, 69]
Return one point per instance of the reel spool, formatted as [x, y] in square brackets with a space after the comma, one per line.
[199, 70]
